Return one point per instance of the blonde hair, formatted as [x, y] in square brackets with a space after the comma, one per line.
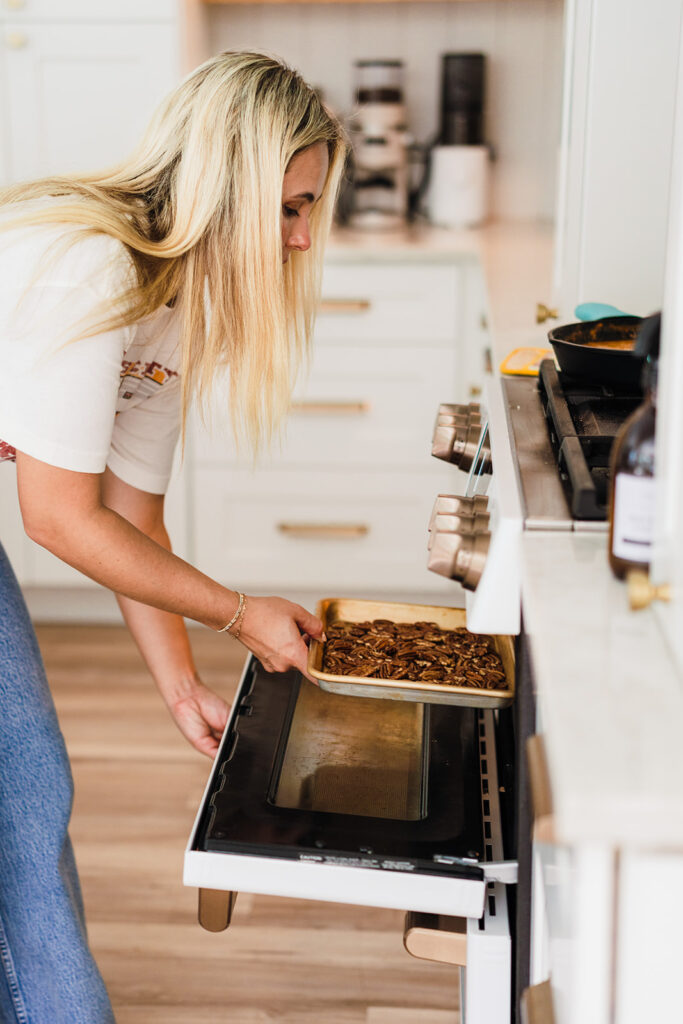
[198, 208]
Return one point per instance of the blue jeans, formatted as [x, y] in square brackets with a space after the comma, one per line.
[47, 972]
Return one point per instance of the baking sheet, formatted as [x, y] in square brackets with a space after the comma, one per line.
[356, 610]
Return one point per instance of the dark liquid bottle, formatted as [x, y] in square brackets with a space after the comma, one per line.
[632, 497]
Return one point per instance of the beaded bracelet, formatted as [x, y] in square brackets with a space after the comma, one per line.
[238, 615]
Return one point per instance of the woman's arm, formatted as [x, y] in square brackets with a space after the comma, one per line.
[162, 636]
[66, 513]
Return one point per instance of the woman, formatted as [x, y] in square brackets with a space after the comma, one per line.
[106, 283]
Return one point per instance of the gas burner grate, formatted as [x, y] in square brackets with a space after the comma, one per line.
[583, 421]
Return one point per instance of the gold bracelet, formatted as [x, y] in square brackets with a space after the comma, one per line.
[238, 615]
[237, 632]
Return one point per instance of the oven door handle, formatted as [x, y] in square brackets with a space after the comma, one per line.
[503, 871]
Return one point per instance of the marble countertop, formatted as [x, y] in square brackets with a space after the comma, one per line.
[610, 700]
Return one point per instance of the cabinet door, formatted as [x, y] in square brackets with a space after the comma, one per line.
[615, 161]
[78, 97]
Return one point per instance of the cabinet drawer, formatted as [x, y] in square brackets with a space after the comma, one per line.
[385, 302]
[285, 530]
[359, 407]
[87, 10]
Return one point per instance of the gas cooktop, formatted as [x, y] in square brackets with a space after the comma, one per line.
[562, 431]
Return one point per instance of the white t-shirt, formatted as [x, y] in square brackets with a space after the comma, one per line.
[112, 399]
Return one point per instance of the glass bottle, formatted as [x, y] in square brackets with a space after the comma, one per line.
[632, 497]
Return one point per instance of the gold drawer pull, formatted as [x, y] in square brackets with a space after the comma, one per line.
[331, 408]
[344, 306]
[336, 531]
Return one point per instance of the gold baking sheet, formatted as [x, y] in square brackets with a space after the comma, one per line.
[356, 610]
[345, 756]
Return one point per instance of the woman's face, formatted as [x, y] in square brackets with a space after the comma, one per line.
[301, 188]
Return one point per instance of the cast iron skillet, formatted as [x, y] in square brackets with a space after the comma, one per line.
[618, 368]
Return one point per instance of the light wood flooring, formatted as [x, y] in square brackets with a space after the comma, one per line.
[138, 787]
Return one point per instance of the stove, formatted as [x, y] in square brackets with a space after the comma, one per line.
[561, 433]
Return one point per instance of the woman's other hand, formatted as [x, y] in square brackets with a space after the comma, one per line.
[201, 716]
[276, 631]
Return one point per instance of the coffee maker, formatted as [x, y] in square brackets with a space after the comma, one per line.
[380, 146]
[459, 159]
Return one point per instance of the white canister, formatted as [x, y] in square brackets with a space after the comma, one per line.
[458, 194]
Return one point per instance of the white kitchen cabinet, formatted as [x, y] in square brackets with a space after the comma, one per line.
[621, 66]
[344, 503]
[77, 96]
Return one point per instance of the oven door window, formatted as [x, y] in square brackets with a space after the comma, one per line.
[302, 772]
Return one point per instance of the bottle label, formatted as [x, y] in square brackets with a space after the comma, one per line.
[634, 517]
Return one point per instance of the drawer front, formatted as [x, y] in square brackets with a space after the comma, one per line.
[359, 407]
[389, 303]
[299, 530]
[87, 10]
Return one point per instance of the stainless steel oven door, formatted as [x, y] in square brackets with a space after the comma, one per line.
[353, 800]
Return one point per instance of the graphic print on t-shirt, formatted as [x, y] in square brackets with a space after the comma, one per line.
[139, 380]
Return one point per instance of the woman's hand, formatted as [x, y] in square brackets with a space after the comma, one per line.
[276, 631]
[201, 716]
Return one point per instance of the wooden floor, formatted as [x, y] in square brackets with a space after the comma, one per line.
[138, 786]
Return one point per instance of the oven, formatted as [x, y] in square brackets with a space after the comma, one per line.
[407, 804]
[542, 458]
[398, 803]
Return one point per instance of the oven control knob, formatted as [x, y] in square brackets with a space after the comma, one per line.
[457, 505]
[464, 524]
[462, 558]
[457, 409]
[466, 446]
[442, 441]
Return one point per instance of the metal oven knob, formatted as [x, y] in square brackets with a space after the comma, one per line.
[464, 524]
[458, 409]
[462, 558]
[451, 422]
[458, 504]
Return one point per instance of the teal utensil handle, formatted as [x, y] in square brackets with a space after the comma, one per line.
[596, 311]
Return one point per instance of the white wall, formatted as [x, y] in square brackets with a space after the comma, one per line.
[522, 39]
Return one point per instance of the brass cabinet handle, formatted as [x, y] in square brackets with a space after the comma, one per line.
[344, 306]
[336, 531]
[16, 40]
[15, 5]
[331, 408]
[641, 592]
[536, 1004]
[541, 793]
[544, 313]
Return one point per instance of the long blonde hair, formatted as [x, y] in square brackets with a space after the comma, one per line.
[197, 206]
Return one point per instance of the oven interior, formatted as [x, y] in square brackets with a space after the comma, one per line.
[306, 774]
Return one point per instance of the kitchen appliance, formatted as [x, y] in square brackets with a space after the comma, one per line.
[370, 802]
[380, 139]
[459, 160]
[549, 441]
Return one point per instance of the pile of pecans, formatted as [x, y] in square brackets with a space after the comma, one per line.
[415, 651]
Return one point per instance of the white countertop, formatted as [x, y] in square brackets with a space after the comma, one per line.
[609, 698]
